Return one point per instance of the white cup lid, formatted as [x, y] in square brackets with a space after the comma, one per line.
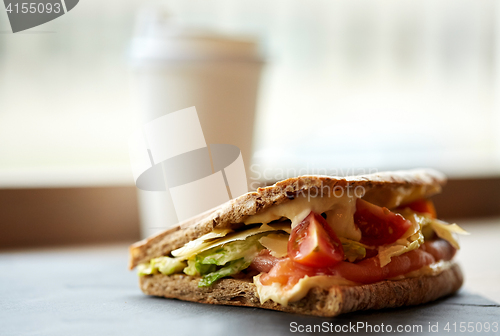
[158, 37]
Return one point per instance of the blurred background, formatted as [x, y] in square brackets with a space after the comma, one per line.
[346, 87]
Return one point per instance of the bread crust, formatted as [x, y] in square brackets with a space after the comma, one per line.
[385, 189]
[334, 301]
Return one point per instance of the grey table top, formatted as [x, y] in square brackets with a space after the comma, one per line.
[89, 291]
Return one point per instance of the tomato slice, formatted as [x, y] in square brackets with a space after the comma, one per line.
[422, 205]
[313, 243]
[378, 225]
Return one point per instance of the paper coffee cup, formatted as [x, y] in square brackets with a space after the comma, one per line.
[175, 68]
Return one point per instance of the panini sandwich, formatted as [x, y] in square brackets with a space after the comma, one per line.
[315, 245]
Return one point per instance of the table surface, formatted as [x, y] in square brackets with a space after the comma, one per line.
[89, 291]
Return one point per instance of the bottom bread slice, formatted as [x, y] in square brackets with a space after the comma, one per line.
[334, 301]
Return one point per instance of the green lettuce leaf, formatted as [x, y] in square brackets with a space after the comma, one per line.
[230, 268]
[194, 267]
[163, 265]
[146, 269]
[213, 264]
[221, 255]
[353, 250]
[233, 257]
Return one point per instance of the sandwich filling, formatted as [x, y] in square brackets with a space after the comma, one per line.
[319, 242]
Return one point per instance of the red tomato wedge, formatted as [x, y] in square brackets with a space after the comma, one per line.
[313, 243]
[423, 206]
[288, 273]
[378, 225]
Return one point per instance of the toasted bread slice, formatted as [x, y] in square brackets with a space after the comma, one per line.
[334, 301]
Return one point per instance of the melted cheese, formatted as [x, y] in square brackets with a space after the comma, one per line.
[446, 231]
[207, 241]
[276, 243]
[200, 243]
[283, 226]
[276, 293]
[339, 210]
[341, 219]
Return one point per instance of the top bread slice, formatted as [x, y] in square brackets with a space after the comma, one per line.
[388, 189]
